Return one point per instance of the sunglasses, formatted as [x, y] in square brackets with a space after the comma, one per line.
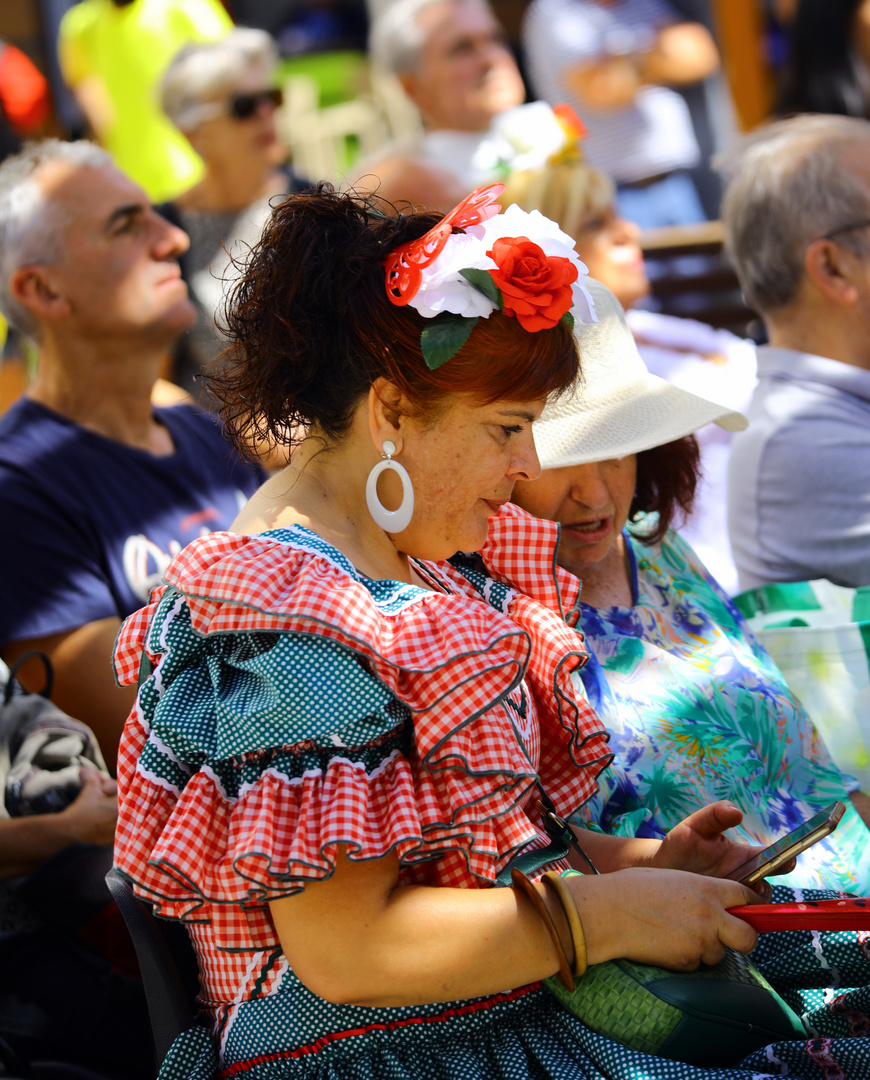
[244, 106]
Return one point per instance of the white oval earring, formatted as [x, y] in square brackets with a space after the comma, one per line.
[392, 521]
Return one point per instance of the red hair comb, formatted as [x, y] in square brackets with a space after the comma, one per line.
[404, 265]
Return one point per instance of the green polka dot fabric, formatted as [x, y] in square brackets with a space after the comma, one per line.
[527, 1033]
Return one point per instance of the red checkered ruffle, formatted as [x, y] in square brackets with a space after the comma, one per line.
[458, 798]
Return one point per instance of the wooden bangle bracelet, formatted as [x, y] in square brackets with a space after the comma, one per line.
[555, 880]
[525, 886]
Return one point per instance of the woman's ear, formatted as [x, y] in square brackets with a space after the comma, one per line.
[386, 415]
[198, 139]
[831, 269]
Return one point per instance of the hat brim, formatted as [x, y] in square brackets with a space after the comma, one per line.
[657, 412]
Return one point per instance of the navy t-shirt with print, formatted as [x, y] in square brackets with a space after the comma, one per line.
[87, 524]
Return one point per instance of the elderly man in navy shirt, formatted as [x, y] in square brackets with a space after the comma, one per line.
[797, 219]
[98, 488]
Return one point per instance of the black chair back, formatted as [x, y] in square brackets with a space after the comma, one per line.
[167, 962]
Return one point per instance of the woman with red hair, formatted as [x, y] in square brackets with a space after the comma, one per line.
[349, 730]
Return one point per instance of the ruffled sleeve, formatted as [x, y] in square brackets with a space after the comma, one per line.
[538, 595]
[287, 713]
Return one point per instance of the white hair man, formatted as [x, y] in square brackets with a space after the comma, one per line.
[797, 220]
[98, 488]
[452, 60]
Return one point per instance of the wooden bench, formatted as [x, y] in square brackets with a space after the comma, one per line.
[708, 291]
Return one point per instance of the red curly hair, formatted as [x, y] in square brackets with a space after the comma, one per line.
[311, 328]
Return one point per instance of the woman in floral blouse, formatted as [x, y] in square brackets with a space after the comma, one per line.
[696, 709]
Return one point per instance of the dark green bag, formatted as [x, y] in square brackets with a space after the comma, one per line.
[713, 1016]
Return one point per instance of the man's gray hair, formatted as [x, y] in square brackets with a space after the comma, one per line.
[788, 184]
[396, 39]
[206, 71]
[31, 225]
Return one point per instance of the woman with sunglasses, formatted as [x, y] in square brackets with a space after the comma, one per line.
[220, 95]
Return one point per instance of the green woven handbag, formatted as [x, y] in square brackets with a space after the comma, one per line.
[714, 1016]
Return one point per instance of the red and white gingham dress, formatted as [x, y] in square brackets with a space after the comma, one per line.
[293, 706]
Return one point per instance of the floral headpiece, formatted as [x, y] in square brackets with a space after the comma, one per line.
[477, 260]
[533, 136]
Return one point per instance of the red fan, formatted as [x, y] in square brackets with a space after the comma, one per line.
[404, 265]
[843, 914]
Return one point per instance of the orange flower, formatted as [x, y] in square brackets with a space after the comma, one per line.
[535, 287]
[570, 121]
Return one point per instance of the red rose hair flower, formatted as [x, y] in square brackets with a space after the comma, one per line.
[536, 288]
[474, 263]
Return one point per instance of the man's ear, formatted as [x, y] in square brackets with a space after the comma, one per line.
[385, 413]
[832, 269]
[33, 288]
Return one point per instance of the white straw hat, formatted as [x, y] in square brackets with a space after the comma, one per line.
[617, 407]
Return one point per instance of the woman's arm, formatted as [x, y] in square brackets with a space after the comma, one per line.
[360, 938]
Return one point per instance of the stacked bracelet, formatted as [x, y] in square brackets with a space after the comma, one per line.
[569, 906]
[564, 974]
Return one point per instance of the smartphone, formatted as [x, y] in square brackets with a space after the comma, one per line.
[793, 843]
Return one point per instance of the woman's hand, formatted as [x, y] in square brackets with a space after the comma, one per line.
[670, 918]
[697, 844]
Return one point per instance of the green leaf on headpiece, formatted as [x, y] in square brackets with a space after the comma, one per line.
[568, 320]
[484, 281]
[444, 336]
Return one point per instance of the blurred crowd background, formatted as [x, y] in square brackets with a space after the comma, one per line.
[336, 107]
[216, 106]
[326, 41]
[93, 69]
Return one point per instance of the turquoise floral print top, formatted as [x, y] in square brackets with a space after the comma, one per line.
[697, 711]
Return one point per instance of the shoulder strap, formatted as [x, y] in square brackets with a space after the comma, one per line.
[562, 839]
[19, 663]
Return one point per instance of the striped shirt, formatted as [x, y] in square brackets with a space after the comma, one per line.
[652, 135]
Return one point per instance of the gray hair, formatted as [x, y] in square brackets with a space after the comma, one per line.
[789, 184]
[396, 39]
[31, 225]
[205, 71]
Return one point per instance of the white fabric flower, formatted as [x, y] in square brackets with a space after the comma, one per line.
[539, 229]
[583, 308]
[443, 288]
[532, 135]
